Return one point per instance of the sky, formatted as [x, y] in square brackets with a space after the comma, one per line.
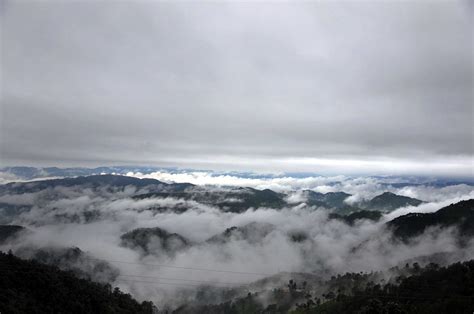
[351, 87]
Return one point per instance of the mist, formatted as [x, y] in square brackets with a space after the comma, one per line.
[94, 219]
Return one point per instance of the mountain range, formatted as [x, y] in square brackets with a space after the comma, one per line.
[20, 173]
[253, 219]
[229, 199]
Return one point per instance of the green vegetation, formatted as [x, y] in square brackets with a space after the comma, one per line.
[389, 201]
[231, 199]
[358, 215]
[460, 214]
[331, 199]
[8, 232]
[152, 240]
[31, 287]
[253, 232]
[93, 181]
[72, 259]
[428, 290]
[234, 200]
[411, 289]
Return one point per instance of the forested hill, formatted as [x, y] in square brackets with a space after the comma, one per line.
[429, 290]
[30, 287]
[412, 290]
[460, 214]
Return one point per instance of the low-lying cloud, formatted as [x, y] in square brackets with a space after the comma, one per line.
[94, 220]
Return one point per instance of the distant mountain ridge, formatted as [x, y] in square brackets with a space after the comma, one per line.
[92, 181]
[389, 201]
[29, 173]
[351, 218]
[253, 232]
[231, 199]
[234, 200]
[332, 199]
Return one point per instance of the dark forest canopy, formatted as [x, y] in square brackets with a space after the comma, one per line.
[414, 289]
[460, 215]
[31, 287]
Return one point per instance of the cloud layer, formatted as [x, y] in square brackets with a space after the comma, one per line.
[93, 219]
[361, 188]
[335, 87]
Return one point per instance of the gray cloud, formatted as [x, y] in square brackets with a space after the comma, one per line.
[241, 85]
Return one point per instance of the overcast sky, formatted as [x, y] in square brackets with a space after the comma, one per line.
[331, 87]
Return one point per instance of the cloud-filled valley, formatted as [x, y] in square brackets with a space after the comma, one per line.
[164, 241]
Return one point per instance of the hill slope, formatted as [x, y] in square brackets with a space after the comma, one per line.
[253, 232]
[429, 290]
[432, 289]
[388, 201]
[460, 214]
[8, 232]
[31, 287]
[234, 200]
[154, 240]
[94, 181]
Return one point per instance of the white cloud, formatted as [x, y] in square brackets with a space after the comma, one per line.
[331, 246]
